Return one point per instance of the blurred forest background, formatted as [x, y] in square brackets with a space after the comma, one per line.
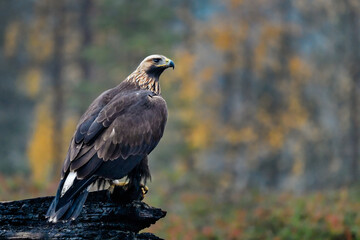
[262, 140]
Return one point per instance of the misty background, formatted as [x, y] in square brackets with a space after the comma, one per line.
[263, 107]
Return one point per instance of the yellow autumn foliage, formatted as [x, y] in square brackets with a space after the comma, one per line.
[299, 162]
[199, 136]
[40, 43]
[299, 68]
[296, 115]
[244, 135]
[186, 114]
[40, 150]
[298, 167]
[68, 132]
[184, 61]
[276, 137]
[235, 3]
[269, 39]
[12, 32]
[199, 128]
[264, 118]
[223, 38]
[206, 74]
[189, 90]
[31, 82]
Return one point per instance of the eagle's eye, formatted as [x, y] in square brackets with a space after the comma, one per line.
[156, 60]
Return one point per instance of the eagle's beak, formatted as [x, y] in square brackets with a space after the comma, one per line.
[170, 63]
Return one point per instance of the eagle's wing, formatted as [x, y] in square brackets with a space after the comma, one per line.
[130, 125]
[110, 141]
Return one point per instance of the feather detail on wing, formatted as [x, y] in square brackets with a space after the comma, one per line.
[128, 127]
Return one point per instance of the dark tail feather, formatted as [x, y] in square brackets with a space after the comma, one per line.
[69, 205]
[51, 210]
[59, 213]
[75, 209]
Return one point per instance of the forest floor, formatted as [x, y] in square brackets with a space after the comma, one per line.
[329, 214]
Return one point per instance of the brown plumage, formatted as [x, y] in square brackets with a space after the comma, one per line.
[113, 137]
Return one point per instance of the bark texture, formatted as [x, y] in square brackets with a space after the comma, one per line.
[100, 219]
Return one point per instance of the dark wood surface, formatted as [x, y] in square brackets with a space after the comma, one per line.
[100, 219]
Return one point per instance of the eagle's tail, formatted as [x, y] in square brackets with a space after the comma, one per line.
[67, 205]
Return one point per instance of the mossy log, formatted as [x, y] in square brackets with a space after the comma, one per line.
[100, 219]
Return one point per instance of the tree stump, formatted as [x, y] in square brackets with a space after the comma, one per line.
[99, 219]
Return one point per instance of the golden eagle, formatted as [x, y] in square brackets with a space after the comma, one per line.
[113, 139]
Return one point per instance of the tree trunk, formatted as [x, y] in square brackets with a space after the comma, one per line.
[86, 34]
[354, 72]
[100, 219]
[57, 83]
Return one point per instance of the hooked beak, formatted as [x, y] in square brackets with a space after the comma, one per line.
[171, 64]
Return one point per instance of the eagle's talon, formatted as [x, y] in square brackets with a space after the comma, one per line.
[116, 184]
[123, 192]
[124, 185]
[144, 190]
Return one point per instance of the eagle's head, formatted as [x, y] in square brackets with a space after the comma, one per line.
[154, 65]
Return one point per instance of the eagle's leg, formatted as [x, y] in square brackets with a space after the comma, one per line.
[125, 192]
[134, 188]
[125, 186]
